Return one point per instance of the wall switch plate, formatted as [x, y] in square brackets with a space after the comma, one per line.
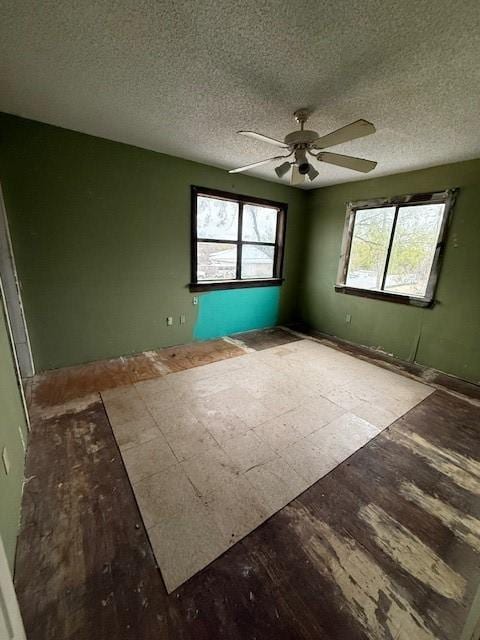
[195, 300]
[182, 319]
[169, 321]
[348, 318]
[6, 461]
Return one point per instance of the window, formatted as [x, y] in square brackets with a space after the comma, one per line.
[391, 247]
[237, 241]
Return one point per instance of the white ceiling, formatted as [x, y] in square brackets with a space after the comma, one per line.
[182, 77]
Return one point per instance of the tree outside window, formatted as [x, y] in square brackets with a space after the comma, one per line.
[393, 247]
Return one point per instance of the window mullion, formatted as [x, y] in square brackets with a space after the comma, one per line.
[239, 240]
[389, 250]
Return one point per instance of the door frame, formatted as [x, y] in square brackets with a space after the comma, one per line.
[10, 617]
[12, 296]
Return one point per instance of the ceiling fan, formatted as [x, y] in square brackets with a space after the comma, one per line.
[302, 142]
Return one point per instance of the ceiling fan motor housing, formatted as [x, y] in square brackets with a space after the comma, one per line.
[301, 137]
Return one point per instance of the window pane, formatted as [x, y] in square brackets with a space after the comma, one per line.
[259, 223]
[217, 219]
[368, 253]
[413, 249]
[216, 261]
[257, 261]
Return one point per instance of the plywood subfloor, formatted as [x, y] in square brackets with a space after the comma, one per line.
[214, 451]
[62, 385]
[385, 546]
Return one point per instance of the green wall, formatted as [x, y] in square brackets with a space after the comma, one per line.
[13, 432]
[101, 235]
[446, 337]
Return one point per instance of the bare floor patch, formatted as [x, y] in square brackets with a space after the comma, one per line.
[462, 470]
[370, 595]
[412, 554]
[464, 526]
[246, 437]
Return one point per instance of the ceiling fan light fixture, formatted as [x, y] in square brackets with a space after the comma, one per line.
[282, 169]
[312, 173]
[304, 141]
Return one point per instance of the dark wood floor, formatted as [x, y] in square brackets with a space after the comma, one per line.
[266, 338]
[387, 546]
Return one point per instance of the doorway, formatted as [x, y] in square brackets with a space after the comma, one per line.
[13, 298]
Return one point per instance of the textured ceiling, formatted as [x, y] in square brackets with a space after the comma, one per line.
[182, 77]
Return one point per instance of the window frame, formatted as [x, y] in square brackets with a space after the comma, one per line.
[446, 197]
[239, 282]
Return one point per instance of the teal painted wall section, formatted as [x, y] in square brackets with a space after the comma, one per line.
[225, 312]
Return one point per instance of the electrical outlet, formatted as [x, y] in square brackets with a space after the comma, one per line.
[6, 461]
[348, 318]
[182, 319]
[195, 300]
[169, 321]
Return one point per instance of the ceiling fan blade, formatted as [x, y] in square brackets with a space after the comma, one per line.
[262, 138]
[296, 177]
[257, 164]
[349, 162]
[352, 131]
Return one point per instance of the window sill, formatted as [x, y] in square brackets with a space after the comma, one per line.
[383, 295]
[196, 287]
